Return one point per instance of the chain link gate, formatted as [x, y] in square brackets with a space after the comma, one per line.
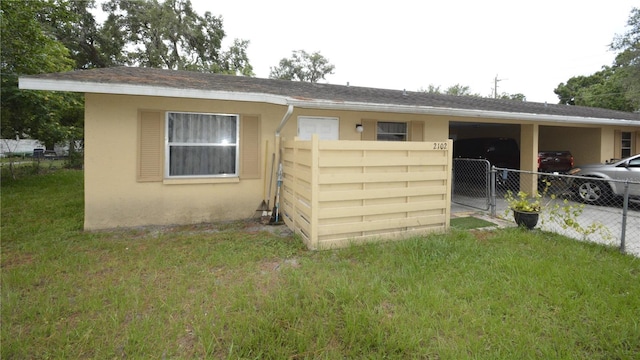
[471, 185]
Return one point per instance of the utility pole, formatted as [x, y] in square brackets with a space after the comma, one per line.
[495, 86]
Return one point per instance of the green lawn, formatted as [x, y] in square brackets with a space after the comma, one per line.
[228, 291]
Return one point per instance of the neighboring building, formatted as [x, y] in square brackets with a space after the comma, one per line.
[19, 147]
[177, 147]
[27, 147]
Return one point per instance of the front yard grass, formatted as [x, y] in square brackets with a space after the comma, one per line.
[228, 291]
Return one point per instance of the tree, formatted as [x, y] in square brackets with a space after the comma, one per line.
[235, 61]
[27, 48]
[43, 36]
[302, 67]
[72, 23]
[614, 87]
[517, 96]
[431, 89]
[463, 90]
[459, 90]
[628, 60]
[171, 35]
[603, 89]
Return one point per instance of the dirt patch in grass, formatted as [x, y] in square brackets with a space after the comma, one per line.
[16, 260]
[249, 226]
[470, 222]
[482, 235]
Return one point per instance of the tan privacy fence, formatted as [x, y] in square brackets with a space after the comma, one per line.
[339, 192]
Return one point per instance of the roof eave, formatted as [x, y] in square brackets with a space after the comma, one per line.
[143, 90]
[468, 113]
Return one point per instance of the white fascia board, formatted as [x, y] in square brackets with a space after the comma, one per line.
[468, 113]
[122, 89]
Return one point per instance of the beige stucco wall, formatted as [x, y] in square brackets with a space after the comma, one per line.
[584, 143]
[114, 198]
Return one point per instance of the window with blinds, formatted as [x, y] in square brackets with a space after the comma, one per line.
[626, 144]
[391, 131]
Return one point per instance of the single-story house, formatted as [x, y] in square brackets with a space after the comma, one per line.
[177, 147]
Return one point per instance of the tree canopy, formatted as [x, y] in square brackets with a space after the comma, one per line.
[43, 36]
[628, 59]
[464, 90]
[302, 66]
[171, 35]
[614, 87]
[460, 90]
[603, 89]
[28, 48]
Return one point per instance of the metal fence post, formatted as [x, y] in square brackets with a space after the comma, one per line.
[492, 191]
[625, 206]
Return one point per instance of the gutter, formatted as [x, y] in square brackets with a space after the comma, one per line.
[144, 90]
[467, 113]
[27, 83]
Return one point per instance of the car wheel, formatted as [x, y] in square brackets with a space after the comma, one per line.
[593, 191]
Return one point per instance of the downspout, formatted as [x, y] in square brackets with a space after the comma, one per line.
[276, 149]
[285, 118]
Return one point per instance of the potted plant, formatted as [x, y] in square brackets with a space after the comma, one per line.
[526, 208]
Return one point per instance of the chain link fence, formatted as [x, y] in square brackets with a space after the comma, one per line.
[471, 183]
[579, 207]
[583, 208]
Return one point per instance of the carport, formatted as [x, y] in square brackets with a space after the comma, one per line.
[589, 140]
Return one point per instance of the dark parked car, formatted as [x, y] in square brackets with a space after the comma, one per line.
[555, 161]
[499, 151]
[47, 154]
[600, 188]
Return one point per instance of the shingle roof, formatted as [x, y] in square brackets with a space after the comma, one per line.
[160, 78]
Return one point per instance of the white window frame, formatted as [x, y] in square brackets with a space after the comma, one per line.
[405, 134]
[626, 144]
[168, 145]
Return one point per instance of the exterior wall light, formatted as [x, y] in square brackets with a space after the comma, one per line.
[359, 128]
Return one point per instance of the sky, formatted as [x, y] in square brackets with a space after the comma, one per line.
[530, 47]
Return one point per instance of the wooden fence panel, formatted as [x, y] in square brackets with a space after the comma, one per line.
[339, 192]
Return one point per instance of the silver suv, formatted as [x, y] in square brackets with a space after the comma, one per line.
[608, 180]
